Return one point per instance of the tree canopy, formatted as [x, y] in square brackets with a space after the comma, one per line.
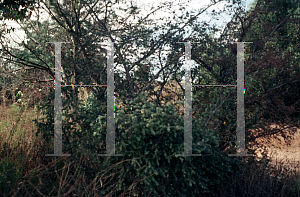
[16, 9]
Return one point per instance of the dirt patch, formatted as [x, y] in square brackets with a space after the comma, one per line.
[281, 151]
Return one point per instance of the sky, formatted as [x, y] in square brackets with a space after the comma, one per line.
[193, 5]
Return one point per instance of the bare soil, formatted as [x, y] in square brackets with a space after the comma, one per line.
[280, 151]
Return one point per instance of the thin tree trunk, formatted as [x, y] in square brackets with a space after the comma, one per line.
[73, 81]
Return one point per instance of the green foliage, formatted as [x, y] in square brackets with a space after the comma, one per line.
[149, 137]
[275, 77]
[16, 9]
[10, 174]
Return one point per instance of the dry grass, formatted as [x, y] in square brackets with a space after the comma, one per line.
[264, 179]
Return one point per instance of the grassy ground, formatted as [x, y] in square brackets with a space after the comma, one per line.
[25, 171]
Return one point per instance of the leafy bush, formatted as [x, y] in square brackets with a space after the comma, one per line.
[149, 137]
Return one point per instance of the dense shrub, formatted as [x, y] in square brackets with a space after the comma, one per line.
[149, 137]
